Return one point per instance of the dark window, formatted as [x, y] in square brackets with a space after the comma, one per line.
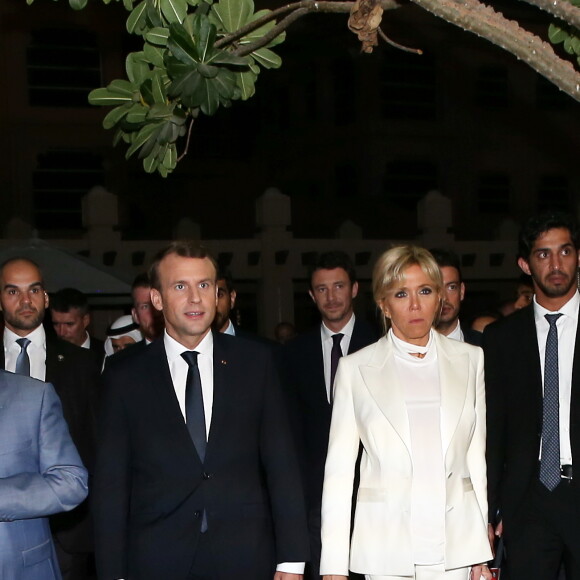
[493, 193]
[346, 180]
[408, 86]
[344, 75]
[60, 181]
[407, 181]
[63, 66]
[492, 90]
[551, 98]
[553, 192]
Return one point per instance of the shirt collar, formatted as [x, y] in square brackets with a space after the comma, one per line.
[37, 337]
[456, 333]
[569, 309]
[230, 329]
[87, 342]
[346, 329]
[174, 349]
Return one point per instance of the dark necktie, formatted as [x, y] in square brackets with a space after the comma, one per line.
[335, 355]
[550, 461]
[194, 413]
[23, 360]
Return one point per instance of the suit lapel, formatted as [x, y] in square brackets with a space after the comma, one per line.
[223, 365]
[454, 379]
[384, 386]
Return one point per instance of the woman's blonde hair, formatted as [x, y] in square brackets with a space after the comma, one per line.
[390, 270]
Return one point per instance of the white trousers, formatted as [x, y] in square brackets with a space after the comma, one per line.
[436, 572]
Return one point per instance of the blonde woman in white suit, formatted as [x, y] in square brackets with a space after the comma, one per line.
[416, 401]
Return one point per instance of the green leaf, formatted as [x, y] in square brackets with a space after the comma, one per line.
[77, 4]
[115, 115]
[137, 115]
[157, 36]
[154, 13]
[122, 87]
[181, 45]
[556, 34]
[150, 163]
[267, 58]
[263, 30]
[159, 112]
[225, 57]
[205, 34]
[568, 45]
[137, 21]
[128, 4]
[173, 10]
[105, 97]
[154, 55]
[233, 14]
[158, 88]
[246, 81]
[207, 71]
[170, 157]
[137, 68]
[576, 44]
[140, 139]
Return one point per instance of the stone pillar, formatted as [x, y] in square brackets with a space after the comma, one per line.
[101, 218]
[276, 287]
[435, 221]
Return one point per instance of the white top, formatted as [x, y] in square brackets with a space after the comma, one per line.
[567, 326]
[422, 391]
[230, 329]
[178, 369]
[326, 337]
[36, 351]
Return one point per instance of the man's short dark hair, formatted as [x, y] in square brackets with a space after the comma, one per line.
[332, 260]
[141, 281]
[184, 249]
[540, 224]
[447, 258]
[68, 298]
[224, 275]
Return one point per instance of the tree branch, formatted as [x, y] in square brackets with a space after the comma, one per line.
[560, 8]
[306, 7]
[482, 20]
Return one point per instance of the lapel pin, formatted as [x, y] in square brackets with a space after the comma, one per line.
[60, 357]
[224, 362]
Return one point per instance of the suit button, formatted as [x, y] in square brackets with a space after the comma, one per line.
[206, 475]
[197, 514]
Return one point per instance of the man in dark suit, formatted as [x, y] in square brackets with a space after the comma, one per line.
[453, 294]
[197, 476]
[532, 371]
[73, 371]
[309, 364]
[69, 311]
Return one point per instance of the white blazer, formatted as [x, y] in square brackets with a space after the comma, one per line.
[369, 406]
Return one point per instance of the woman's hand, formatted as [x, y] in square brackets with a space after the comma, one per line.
[480, 571]
[333, 577]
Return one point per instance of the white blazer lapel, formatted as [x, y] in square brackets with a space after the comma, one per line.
[454, 379]
[380, 378]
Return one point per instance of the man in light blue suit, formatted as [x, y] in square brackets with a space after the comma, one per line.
[41, 474]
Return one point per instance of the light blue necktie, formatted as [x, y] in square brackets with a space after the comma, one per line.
[23, 360]
[550, 462]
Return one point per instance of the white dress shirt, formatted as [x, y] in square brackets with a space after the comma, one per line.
[422, 391]
[457, 333]
[567, 325]
[36, 351]
[178, 369]
[326, 337]
[87, 342]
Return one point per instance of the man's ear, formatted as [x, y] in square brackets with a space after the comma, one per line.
[461, 291]
[311, 295]
[156, 299]
[524, 266]
[354, 291]
[45, 298]
[86, 320]
[233, 295]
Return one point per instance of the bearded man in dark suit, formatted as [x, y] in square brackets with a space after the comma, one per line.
[532, 372]
[74, 373]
